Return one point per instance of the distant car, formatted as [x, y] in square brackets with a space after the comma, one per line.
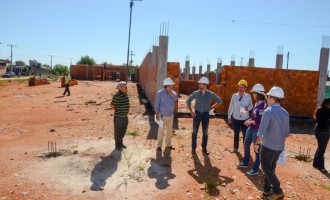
[8, 74]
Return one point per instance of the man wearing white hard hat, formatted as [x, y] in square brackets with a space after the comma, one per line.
[273, 131]
[203, 98]
[164, 108]
[238, 112]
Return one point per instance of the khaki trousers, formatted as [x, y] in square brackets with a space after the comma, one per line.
[167, 128]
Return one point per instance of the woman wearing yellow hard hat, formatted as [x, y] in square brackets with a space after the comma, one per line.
[238, 112]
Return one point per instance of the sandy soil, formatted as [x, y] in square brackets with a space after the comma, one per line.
[90, 168]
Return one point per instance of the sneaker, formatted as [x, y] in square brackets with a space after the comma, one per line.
[266, 194]
[252, 172]
[277, 196]
[234, 150]
[159, 149]
[324, 171]
[241, 164]
[170, 147]
[123, 146]
[193, 151]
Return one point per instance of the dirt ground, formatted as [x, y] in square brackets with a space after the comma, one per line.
[33, 119]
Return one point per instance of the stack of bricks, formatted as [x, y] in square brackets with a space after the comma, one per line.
[188, 87]
[300, 86]
[33, 81]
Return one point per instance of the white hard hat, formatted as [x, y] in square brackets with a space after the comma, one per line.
[204, 80]
[168, 81]
[258, 88]
[276, 92]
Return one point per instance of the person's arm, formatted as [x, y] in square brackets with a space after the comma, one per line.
[250, 106]
[174, 95]
[114, 102]
[262, 131]
[230, 109]
[192, 97]
[157, 105]
[216, 99]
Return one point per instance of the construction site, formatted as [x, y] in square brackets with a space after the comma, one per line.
[62, 147]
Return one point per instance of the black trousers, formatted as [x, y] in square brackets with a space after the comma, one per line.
[237, 126]
[322, 142]
[67, 89]
[120, 126]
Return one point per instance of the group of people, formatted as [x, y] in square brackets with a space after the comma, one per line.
[267, 127]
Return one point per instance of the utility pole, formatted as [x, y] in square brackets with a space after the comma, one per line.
[287, 60]
[11, 55]
[71, 61]
[131, 54]
[129, 34]
[51, 61]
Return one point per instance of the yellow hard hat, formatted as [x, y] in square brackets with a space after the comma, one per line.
[242, 82]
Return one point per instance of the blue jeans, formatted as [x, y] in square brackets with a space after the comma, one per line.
[237, 126]
[204, 118]
[251, 136]
[268, 165]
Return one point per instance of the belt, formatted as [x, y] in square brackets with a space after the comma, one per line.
[196, 111]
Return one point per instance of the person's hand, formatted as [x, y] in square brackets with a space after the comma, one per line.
[157, 116]
[229, 120]
[193, 114]
[257, 148]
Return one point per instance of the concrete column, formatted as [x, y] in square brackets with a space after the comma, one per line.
[279, 61]
[162, 61]
[323, 69]
[154, 56]
[187, 71]
[218, 73]
[251, 62]
[200, 71]
[208, 68]
[232, 63]
[193, 72]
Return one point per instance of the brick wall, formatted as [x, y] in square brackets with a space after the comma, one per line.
[97, 72]
[300, 86]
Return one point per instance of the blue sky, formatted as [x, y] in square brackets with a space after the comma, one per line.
[205, 30]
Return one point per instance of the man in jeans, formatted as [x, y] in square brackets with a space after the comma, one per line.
[238, 112]
[120, 103]
[203, 98]
[273, 131]
[67, 80]
[164, 107]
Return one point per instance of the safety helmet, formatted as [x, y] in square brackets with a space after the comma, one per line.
[276, 92]
[242, 82]
[168, 81]
[258, 88]
[204, 80]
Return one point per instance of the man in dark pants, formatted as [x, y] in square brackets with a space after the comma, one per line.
[273, 131]
[120, 103]
[203, 98]
[238, 112]
[67, 80]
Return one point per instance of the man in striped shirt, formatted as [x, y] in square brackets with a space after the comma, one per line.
[120, 103]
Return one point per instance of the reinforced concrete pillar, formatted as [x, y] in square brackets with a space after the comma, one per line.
[323, 69]
[218, 73]
[200, 71]
[208, 68]
[279, 61]
[162, 61]
[193, 72]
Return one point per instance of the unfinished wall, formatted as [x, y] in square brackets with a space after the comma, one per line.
[97, 72]
[300, 86]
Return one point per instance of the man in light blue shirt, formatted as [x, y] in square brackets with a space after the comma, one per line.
[164, 107]
[273, 131]
[203, 98]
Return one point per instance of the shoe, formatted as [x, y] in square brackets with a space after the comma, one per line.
[170, 147]
[324, 171]
[266, 194]
[205, 152]
[242, 165]
[252, 172]
[123, 146]
[277, 196]
[234, 150]
[159, 149]
[118, 148]
[193, 151]
[68, 95]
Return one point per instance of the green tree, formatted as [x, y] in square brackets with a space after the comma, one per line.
[86, 60]
[20, 63]
[60, 69]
